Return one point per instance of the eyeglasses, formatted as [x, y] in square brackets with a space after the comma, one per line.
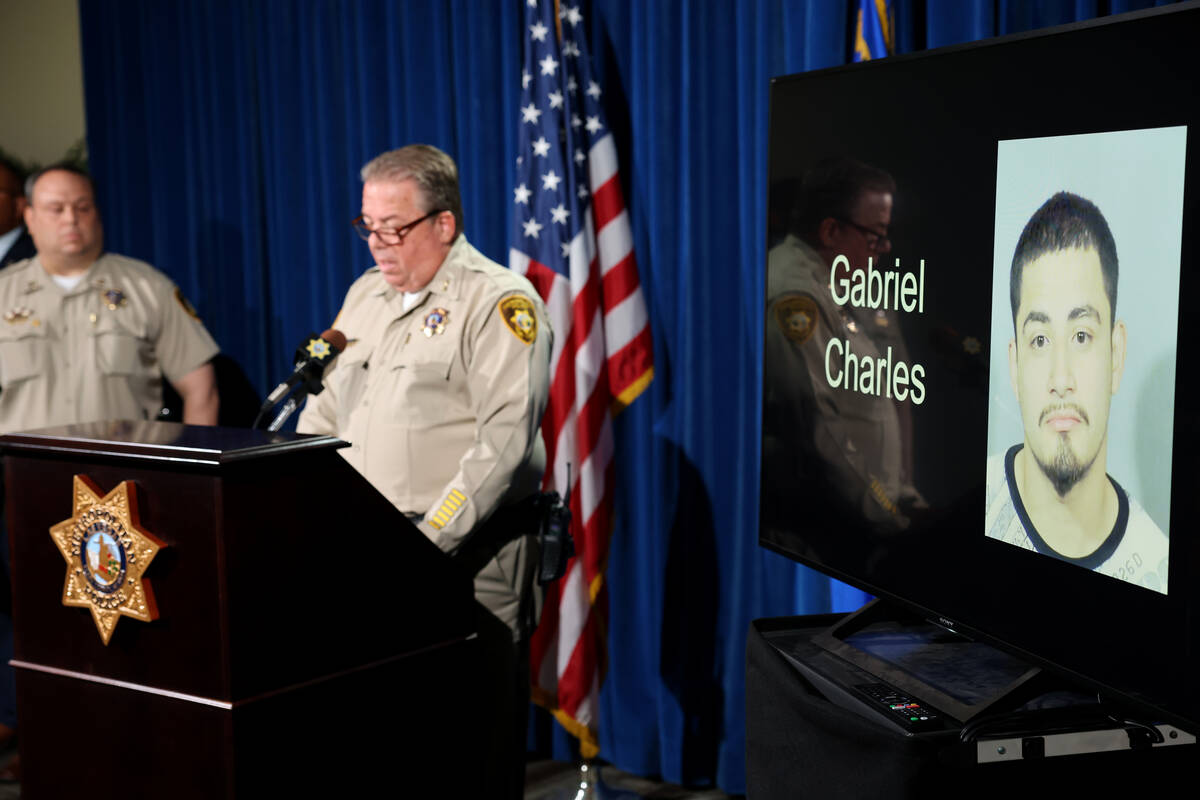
[390, 236]
[876, 242]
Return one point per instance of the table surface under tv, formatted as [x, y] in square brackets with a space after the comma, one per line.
[309, 638]
[800, 743]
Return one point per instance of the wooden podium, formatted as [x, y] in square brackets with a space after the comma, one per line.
[309, 638]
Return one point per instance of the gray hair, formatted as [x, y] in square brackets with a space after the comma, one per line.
[432, 170]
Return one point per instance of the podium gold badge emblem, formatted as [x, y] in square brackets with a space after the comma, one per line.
[107, 552]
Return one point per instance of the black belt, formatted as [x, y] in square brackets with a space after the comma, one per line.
[506, 524]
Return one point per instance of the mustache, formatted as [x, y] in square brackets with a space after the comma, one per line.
[1072, 407]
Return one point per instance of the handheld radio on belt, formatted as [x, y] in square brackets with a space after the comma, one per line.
[555, 535]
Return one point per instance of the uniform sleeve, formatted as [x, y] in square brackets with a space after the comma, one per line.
[508, 376]
[183, 343]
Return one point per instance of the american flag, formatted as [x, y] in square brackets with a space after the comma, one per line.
[571, 237]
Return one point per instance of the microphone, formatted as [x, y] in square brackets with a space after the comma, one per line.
[312, 357]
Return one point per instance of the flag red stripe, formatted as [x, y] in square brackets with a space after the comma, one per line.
[575, 683]
[620, 281]
[592, 418]
[588, 655]
[542, 278]
[607, 202]
[562, 386]
[596, 530]
[587, 302]
[559, 404]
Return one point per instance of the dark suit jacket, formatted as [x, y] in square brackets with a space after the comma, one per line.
[22, 249]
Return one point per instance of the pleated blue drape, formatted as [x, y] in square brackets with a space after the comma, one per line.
[226, 138]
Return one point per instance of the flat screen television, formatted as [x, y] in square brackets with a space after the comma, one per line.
[976, 399]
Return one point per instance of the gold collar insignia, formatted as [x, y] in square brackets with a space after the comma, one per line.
[18, 314]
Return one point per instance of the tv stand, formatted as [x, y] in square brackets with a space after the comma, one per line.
[811, 732]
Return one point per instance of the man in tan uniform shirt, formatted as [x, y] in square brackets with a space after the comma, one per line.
[86, 336]
[440, 392]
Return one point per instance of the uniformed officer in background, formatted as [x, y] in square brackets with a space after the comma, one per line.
[854, 446]
[88, 335]
[440, 392]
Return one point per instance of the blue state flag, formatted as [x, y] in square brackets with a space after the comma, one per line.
[874, 30]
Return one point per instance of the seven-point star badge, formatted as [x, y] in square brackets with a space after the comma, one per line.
[106, 552]
[318, 347]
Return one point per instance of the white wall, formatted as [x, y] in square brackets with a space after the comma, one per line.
[41, 79]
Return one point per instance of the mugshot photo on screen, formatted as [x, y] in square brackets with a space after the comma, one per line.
[1085, 300]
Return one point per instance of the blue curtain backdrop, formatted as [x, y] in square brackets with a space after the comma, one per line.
[226, 137]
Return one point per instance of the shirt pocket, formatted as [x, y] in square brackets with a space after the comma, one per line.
[120, 348]
[421, 377]
[24, 353]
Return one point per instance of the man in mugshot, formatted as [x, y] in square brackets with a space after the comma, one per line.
[1051, 493]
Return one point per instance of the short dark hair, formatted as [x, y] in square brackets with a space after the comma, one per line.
[71, 168]
[831, 188]
[1065, 222]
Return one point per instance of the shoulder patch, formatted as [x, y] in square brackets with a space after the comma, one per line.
[797, 316]
[183, 301]
[519, 315]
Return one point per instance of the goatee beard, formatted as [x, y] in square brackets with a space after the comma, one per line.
[1064, 470]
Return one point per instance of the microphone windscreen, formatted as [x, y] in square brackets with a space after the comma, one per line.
[336, 339]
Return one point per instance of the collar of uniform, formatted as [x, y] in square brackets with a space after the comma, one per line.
[95, 272]
[445, 281]
[27, 274]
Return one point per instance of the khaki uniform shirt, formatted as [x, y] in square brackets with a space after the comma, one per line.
[97, 351]
[853, 439]
[441, 404]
